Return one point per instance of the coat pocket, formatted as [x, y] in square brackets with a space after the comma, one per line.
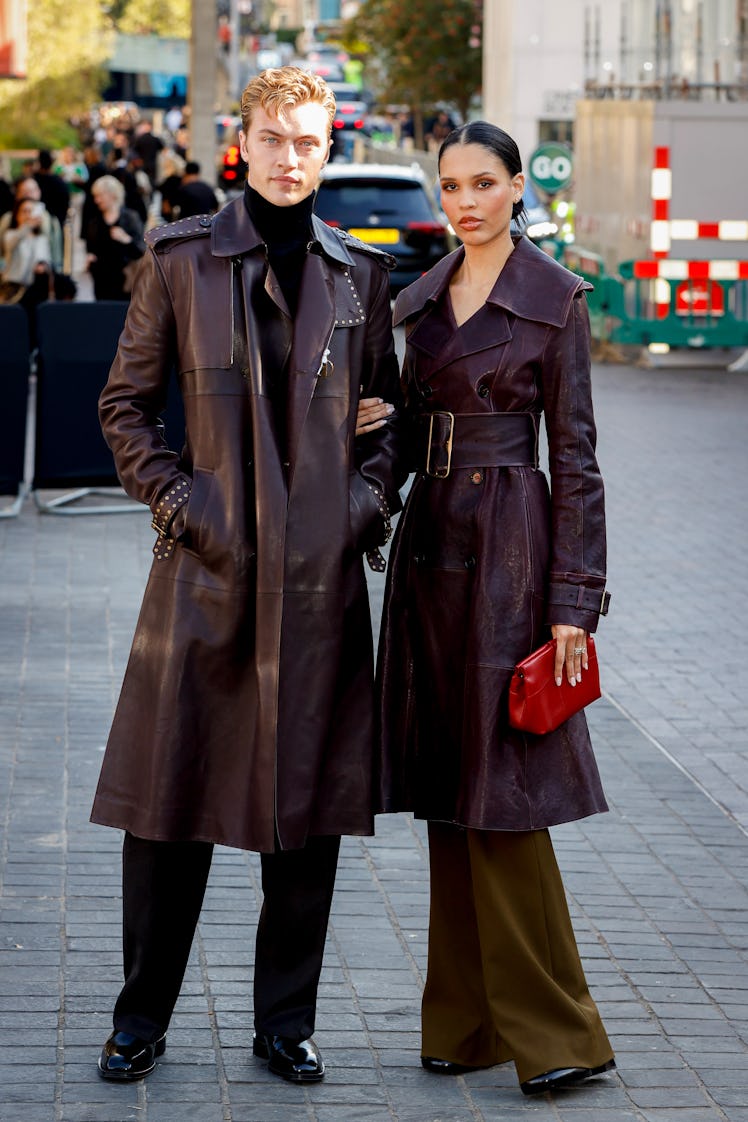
[193, 537]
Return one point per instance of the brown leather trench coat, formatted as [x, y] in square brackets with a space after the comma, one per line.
[485, 559]
[247, 704]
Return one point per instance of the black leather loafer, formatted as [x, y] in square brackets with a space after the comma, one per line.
[297, 1061]
[563, 1077]
[125, 1057]
[444, 1067]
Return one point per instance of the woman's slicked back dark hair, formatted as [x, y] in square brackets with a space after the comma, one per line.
[495, 141]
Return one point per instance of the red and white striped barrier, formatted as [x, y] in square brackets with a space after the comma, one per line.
[665, 230]
[690, 270]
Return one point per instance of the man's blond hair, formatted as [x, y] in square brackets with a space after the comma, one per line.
[285, 87]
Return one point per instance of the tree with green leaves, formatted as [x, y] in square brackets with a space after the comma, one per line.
[424, 51]
[170, 18]
[68, 46]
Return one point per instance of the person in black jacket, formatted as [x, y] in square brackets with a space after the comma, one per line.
[54, 189]
[114, 239]
[195, 196]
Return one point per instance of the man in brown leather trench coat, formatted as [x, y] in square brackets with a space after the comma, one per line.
[245, 716]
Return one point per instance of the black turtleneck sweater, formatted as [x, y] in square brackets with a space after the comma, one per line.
[287, 231]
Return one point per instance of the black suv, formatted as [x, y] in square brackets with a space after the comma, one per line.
[391, 207]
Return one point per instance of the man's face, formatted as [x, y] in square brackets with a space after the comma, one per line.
[285, 155]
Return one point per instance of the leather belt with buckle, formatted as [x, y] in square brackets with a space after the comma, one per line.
[476, 440]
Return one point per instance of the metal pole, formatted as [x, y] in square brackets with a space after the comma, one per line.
[742, 30]
[234, 50]
[587, 44]
[623, 66]
[700, 46]
[202, 87]
[668, 17]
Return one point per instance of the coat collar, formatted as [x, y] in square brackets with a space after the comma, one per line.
[531, 285]
[233, 233]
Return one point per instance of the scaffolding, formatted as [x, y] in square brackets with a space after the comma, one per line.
[671, 50]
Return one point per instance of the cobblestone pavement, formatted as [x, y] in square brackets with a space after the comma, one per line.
[658, 887]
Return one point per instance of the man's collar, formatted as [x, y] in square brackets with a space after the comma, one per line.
[233, 233]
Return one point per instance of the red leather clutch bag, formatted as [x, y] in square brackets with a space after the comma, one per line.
[536, 703]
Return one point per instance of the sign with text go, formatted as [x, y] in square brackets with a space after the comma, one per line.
[551, 167]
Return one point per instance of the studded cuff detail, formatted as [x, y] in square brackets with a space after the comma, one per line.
[170, 502]
[376, 562]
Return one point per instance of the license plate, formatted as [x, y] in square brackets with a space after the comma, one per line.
[380, 236]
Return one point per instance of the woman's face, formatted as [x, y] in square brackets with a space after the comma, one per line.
[26, 212]
[477, 193]
[104, 199]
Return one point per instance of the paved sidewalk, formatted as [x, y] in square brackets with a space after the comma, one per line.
[658, 887]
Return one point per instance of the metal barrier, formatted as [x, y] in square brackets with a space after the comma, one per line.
[691, 311]
[77, 344]
[15, 359]
[695, 306]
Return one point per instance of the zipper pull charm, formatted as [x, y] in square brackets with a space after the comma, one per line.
[327, 366]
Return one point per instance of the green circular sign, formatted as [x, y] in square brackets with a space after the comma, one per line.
[551, 167]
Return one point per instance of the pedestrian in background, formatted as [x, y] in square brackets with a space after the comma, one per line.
[171, 170]
[27, 255]
[147, 146]
[194, 196]
[7, 197]
[54, 190]
[97, 167]
[50, 228]
[114, 240]
[27, 276]
[486, 565]
[246, 712]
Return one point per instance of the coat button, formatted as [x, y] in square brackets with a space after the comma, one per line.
[483, 391]
[205, 221]
[427, 391]
[476, 477]
[470, 563]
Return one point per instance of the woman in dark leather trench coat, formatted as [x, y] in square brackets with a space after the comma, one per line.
[487, 563]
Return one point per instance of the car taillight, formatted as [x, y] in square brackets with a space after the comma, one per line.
[332, 222]
[338, 124]
[229, 174]
[427, 227]
[232, 157]
[358, 124]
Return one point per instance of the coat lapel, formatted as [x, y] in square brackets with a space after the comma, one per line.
[313, 328]
[436, 338]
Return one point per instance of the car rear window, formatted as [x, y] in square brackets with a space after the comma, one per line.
[357, 202]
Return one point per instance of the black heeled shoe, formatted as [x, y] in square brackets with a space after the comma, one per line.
[297, 1061]
[562, 1077]
[444, 1067]
[125, 1057]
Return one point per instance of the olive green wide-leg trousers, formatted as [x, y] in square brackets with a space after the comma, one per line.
[505, 980]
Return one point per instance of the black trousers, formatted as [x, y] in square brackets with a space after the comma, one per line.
[163, 885]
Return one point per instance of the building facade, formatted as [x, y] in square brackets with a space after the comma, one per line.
[540, 57]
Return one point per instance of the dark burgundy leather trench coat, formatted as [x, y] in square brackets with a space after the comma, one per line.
[247, 704]
[484, 560]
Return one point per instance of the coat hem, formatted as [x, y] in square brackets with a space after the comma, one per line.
[118, 821]
[545, 824]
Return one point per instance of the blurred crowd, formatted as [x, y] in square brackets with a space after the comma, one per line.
[99, 198]
[77, 217]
